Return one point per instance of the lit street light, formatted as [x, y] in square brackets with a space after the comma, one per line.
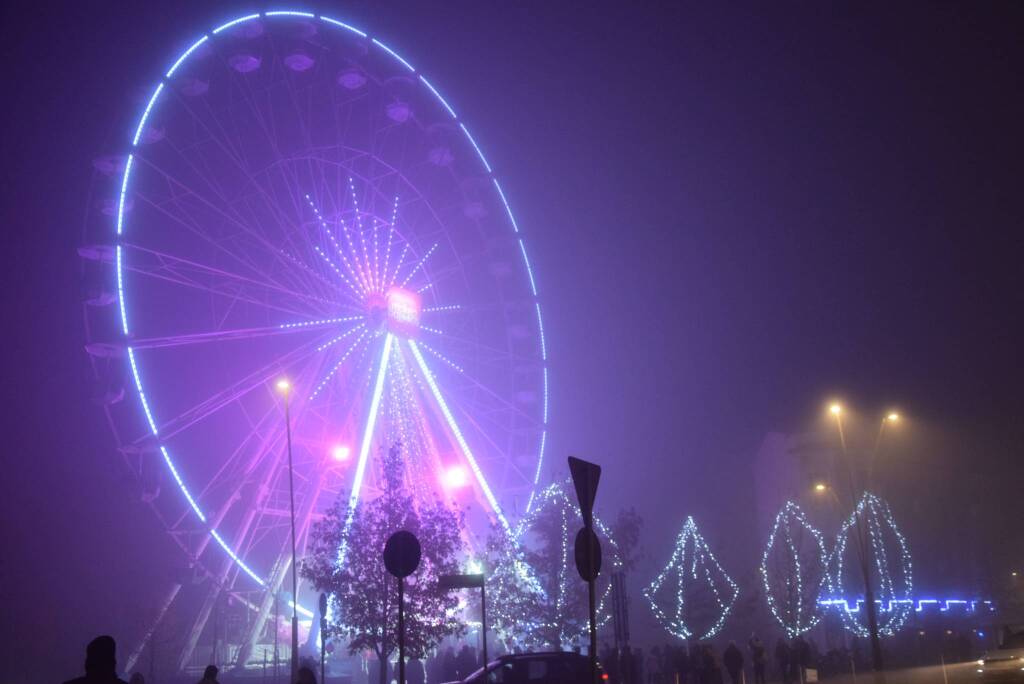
[862, 545]
[284, 387]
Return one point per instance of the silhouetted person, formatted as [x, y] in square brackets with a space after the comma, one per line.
[626, 665]
[782, 658]
[757, 658]
[654, 665]
[305, 676]
[466, 661]
[210, 675]
[136, 678]
[799, 658]
[449, 667]
[414, 672]
[681, 662]
[637, 666]
[732, 658]
[100, 663]
[709, 672]
[433, 668]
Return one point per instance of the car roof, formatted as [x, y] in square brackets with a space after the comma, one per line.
[541, 654]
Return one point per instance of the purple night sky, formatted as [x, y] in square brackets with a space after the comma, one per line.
[734, 214]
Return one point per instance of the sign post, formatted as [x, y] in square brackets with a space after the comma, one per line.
[471, 582]
[585, 477]
[323, 637]
[401, 558]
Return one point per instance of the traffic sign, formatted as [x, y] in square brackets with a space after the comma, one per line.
[474, 581]
[585, 476]
[588, 554]
[402, 553]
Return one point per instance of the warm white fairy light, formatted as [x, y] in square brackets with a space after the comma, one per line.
[691, 562]
[803, 572]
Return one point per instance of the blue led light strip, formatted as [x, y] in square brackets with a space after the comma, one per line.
[918, 604]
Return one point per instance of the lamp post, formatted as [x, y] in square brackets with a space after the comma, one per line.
[891, 418]
[284, 387]
[863, 543]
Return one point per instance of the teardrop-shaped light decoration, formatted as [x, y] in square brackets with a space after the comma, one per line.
[697, 590]
[870, 536]
[794, 570]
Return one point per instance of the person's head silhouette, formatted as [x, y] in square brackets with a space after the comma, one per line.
[101, 656]
[210, 673]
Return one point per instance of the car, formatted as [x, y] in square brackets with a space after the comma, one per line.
[1006, 663]
[551, 667]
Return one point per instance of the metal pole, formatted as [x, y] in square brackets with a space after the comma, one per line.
[295, 578]
[277, 625]
[592, 595]
[869, 594]
[401, 631]
[323, 651]
[483, 619]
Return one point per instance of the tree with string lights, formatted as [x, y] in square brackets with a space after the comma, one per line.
[794, 570]
[560, 613]
[693, 595]
[363, 595]
[512, 591]
[882, 564]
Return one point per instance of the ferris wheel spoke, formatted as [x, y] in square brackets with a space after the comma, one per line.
[233, 392]
[229, 294]
[216, 280]
[260, 276]
[494, 355]
[239, 163]
[457, 434]
[245, 227]
[237, 334]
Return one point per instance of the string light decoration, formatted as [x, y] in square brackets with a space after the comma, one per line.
[794, 570]
[893, 569]
[546, 536]
[513, 591]
[691, 570]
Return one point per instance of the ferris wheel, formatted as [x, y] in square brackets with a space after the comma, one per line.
[295, 201]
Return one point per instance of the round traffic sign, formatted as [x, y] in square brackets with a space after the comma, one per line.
[402, 553]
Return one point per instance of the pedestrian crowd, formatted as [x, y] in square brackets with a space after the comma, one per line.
[697, 662]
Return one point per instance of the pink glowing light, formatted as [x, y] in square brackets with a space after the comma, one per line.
[404, 308]
[455, 477]
[341, 452]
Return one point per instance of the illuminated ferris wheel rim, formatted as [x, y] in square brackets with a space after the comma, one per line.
[119, 267]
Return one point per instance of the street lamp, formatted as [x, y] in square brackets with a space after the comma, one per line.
[862, 546]
[284, 387]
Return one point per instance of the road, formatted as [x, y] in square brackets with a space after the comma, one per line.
[958, 673]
